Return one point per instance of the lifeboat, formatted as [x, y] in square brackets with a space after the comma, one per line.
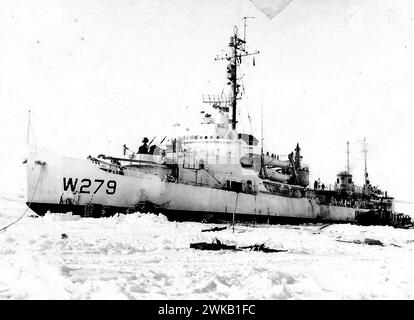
[277, 176]
[253, 160]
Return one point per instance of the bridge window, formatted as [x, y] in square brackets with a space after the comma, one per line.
[248, 139]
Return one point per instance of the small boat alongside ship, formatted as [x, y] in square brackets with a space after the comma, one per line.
[212, 174]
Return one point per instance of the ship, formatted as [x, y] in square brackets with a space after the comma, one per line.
[214, 173]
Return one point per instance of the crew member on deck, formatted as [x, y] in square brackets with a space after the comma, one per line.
[144, 147]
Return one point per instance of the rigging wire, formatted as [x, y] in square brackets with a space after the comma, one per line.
[25, 211]
[29, 131]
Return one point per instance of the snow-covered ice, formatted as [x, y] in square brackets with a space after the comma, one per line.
[144, 256]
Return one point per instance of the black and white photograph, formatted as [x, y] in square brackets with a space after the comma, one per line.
[206, 150]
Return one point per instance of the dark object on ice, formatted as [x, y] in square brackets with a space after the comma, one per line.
[354, 241]
[395, 245]
[64, 236]
[214, 229]
[261, 247]
[318, 231]
[371, 242]
[324, 226]
[215, 245]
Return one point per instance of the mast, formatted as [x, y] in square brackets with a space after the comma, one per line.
[364, 150]
[347, 157]
[263, 171]
[238, 47]
[233, 79]
[261, 121]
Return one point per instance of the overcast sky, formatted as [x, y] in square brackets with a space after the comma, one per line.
[98, 74]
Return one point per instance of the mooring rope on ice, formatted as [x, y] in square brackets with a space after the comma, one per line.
[27, 208]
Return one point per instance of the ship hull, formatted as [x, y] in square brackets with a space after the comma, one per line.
[94, 192]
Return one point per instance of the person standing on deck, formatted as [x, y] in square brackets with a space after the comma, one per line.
[144, 148]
